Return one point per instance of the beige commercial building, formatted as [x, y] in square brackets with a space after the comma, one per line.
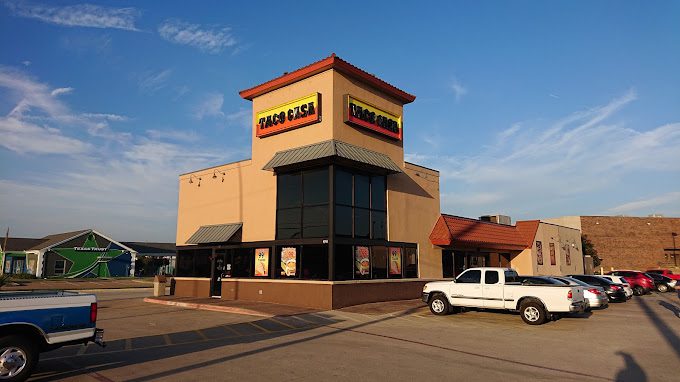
[326, 212]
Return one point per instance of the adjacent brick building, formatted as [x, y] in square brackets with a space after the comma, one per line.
[625, 242]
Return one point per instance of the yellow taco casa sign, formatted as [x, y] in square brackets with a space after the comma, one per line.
[297, 113]
[360, 113]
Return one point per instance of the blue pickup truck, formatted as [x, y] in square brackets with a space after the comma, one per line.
[36, 322]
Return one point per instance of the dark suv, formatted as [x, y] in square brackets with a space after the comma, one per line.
[613, 291]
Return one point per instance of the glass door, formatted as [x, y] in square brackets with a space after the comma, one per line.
[218, 273]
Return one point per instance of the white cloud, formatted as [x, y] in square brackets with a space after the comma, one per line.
[458, 90]
[36, 122]
[668, 202]
[107, 117]
[80, 15]
[551, 95]
[173, 135]
[151, 82]
[26, 63]
[207, 39]
[60, 91]
[574, 165]
[210, 106]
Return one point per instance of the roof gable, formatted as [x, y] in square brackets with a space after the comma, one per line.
[330, 62]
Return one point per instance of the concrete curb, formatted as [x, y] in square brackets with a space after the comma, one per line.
[208, 307]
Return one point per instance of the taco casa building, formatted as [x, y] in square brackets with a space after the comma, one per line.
[326, 212]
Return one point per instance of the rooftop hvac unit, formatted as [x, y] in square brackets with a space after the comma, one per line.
[498, 219]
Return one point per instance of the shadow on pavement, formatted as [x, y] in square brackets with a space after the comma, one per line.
[672, 307]
[77, 360]
[666, 332]
[632, 371]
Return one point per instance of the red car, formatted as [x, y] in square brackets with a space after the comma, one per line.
[666, 272]
[640, 283]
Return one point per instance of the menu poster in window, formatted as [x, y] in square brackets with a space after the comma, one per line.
[539, 253]
[288, 261]
[262, 262]
[395, 261]
[362, 261]
[552, 254]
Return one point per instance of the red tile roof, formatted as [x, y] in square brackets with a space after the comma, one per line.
[452, 231]
[330, 62]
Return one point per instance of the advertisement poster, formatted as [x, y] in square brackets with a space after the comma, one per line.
[362, 261]
[288, 261]
[262, 262]
[552, 254]
[395, 261]
[539, 253]
[568, 256]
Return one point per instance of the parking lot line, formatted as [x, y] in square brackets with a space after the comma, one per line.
[260, 327]
[282, 323]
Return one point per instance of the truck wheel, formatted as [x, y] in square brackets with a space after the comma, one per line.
[18, 357]
[663, 288]
[439, 305]
[638, 291]
[532, 312]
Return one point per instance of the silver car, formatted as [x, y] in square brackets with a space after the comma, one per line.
[594, 295]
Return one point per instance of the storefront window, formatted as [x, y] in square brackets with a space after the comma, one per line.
[185, 263]
[361, 209]
[314, 263]
[379, 262]
[242, 263]
[202, 263]
[344, 262]
[302, 204]
[410, 262]
[362, 227]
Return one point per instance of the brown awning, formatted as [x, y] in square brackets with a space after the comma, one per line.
[332, 149]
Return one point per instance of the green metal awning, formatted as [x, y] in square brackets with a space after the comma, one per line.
[332, 149]
[217, 233]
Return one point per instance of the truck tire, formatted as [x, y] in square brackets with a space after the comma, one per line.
[533, 312]
[439, 305]
[18, 357]
[638, 291]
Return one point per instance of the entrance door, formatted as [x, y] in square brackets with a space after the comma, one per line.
[18, 266]
[216, 282]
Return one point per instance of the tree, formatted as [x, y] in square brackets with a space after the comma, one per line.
[589, 250]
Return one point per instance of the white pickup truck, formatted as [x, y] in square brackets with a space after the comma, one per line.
[497, 288]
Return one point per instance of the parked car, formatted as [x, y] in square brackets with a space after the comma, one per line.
[498, 288]
[615, 292]
[620, 280]
[662, 283]
[594, 295]
[35, 322]
[640, 283]
[665, 272]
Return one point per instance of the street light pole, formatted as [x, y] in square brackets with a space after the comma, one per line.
[675, 257]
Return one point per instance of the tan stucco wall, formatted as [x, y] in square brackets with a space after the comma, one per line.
[566, 221]
[248, 193]
[524, 262]
[562, 237]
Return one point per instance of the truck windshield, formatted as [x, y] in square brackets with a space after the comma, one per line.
[511, 277]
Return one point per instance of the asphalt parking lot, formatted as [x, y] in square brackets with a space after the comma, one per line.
[634, 341]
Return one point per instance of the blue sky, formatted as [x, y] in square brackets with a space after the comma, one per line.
[531, 109]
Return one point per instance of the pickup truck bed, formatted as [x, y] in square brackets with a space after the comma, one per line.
[34, 322]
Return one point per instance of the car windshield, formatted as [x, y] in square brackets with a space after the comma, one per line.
[538, 280]
[561, 280]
